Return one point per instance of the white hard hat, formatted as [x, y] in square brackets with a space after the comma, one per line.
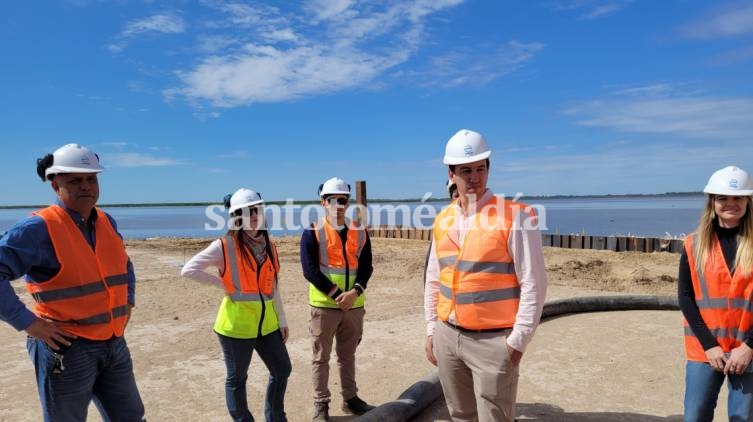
[731, 180]
[334, 186]
[73, 158]
[244, 198]
[464, 147]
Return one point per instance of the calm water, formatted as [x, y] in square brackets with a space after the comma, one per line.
[650, 217]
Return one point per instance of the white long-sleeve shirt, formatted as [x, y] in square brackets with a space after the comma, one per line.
[213, 256]
[524, 246]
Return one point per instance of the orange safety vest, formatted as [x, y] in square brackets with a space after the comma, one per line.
[478, 281]
[88, 297]
[338, 262]
[242, 281]
[724, 301]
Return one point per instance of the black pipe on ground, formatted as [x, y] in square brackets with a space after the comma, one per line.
[424, 392]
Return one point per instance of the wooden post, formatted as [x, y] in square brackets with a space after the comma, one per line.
[360, 199]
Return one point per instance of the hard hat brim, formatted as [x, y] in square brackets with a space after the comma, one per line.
[728, 192]
[65, 169]
[336, 192]
[235, 208]
[453, 161]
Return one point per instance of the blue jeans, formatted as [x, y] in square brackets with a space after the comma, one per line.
[702, 385]
[101, 371]
[273, 353]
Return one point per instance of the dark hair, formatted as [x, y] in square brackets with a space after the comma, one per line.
[226, 200]
[452, 166]
[246, 253]
[42, 165]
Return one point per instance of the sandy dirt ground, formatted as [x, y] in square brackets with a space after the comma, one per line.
[593, 367]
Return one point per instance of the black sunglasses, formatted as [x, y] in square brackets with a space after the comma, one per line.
[337, 201]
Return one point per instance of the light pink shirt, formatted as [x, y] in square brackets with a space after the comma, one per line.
[524, 245]
[213, 256]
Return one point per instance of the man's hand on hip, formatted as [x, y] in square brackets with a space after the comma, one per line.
[50, 333]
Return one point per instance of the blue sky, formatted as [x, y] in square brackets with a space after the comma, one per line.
[189, 100]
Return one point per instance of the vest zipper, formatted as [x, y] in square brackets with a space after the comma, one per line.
[261, 297]
[347, 267]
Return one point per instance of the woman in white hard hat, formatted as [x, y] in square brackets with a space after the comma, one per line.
[715, 290]
[251, 315]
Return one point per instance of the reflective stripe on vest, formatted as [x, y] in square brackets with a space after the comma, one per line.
[478, 283]
[341, 269]
[248, 310]
[723, 301]
[88, 296]
[237, 294]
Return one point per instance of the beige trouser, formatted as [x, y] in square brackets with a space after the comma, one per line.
[478, 378]
[325, 326]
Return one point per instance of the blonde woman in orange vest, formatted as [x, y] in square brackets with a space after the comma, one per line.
[715, 289]
[78, 273]
[251, 315]
[485, 289]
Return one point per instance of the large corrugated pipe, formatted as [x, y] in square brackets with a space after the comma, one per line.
[420, 395]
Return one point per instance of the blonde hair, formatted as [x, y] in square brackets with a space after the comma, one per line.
[704, 240]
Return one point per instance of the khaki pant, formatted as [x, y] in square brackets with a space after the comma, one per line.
[325, 326]
[478, 378]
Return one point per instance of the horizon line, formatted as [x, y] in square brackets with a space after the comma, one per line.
[376, 200]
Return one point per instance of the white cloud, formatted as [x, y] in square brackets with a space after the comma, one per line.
[133, 159]
[163, 23]
[591, 9]
[710, 118]
[730, 21]
[457, 68]
[286, 57]
[212, 44]
[327, 9]
[647, 90]
[617, 168]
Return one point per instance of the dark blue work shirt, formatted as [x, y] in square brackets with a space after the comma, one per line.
[26, 250]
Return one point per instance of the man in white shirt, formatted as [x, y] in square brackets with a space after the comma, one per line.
[485, 289]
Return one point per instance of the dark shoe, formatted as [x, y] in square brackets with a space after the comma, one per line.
[321, 412]
[356, 406]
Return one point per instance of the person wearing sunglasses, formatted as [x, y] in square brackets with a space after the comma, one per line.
[251, 315]
[336, 260]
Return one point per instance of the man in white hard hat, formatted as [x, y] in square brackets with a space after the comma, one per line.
[336, 260]
[485, 289]
[77, 271]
